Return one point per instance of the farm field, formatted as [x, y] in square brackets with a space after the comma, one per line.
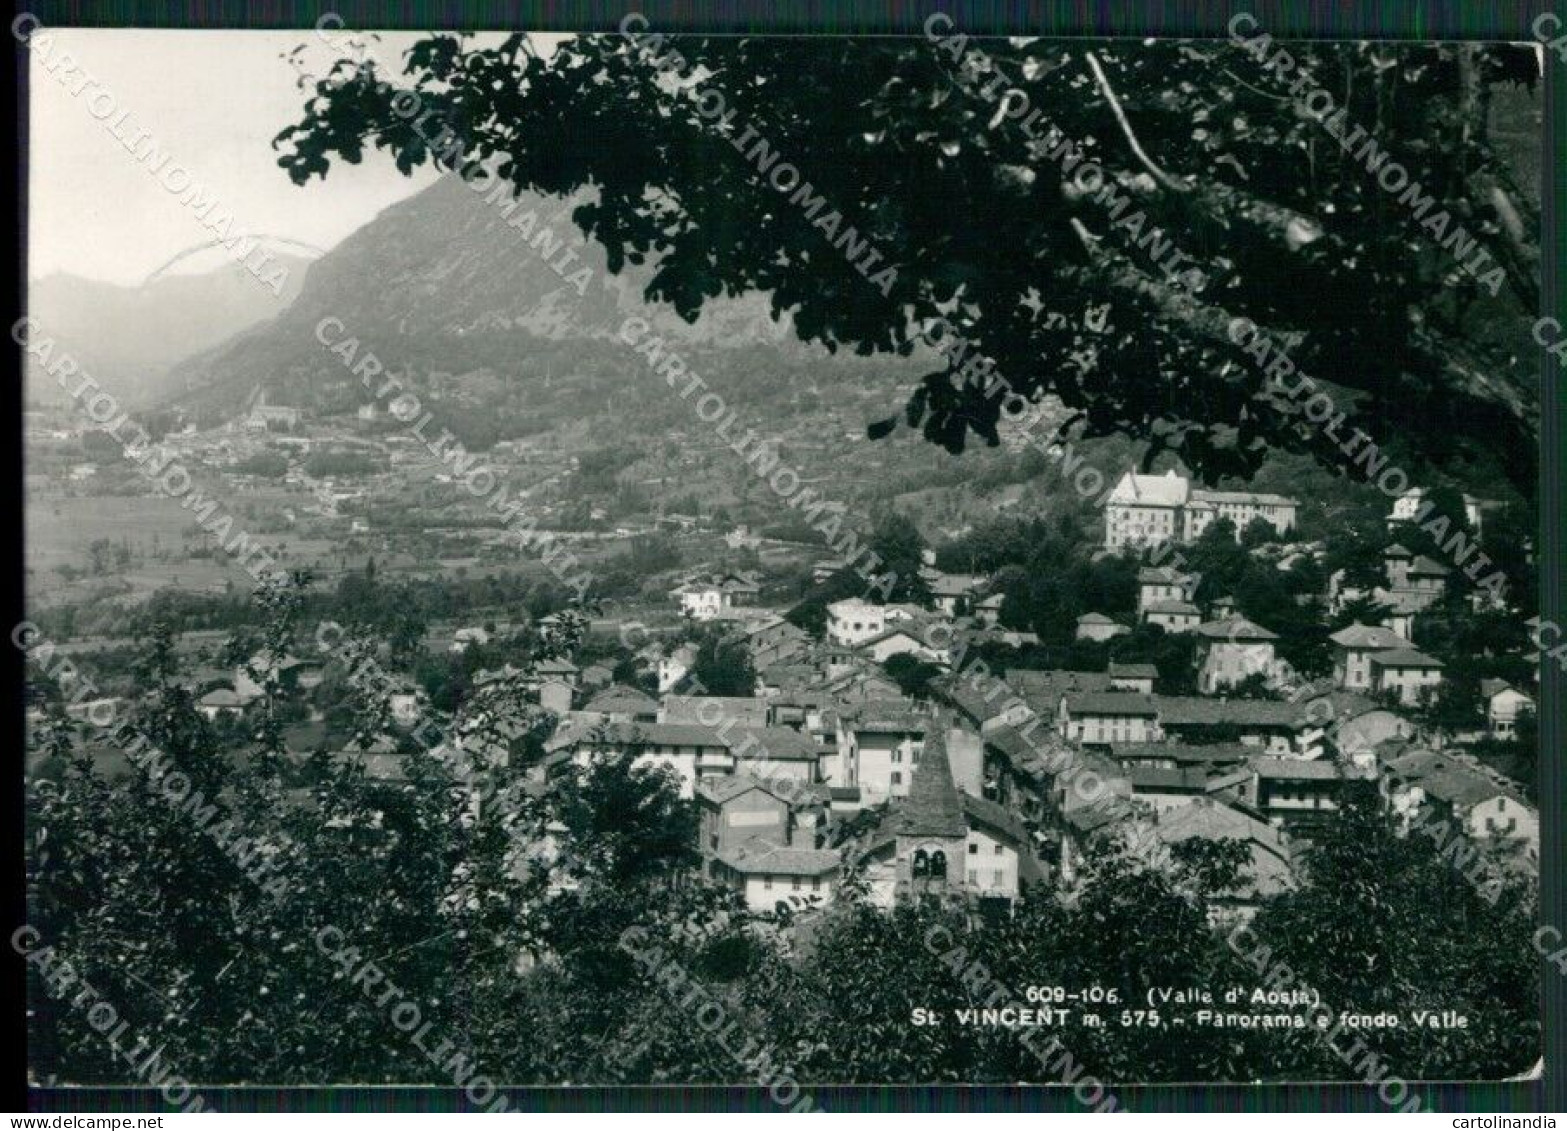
[61, 530]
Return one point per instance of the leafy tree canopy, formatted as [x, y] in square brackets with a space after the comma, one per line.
[723, 667]
[973, 212]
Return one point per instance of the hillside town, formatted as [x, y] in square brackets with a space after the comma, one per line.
[911, 743]
[986, 783]
[782, 562]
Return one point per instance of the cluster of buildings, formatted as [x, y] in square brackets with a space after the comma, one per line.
[827, 773]
[973, 793]
[1153, 510]
[976, 792]
[988, 787]
[1082, 754]
[1413, 583]
[221, 694]
[716, 596]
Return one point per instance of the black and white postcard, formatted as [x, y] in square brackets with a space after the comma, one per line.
[645, 557]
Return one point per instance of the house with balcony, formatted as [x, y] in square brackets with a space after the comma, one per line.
[781, 755]
[1486, 810]
[695, 753]
[1211, 758]
[1299, 794]
[1270, 726]
[1167, 787]
[1504, 704]
[1437, 786]
[1418, 580]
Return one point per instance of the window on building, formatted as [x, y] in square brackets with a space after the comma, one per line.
[767, 883]
[897, 779]
[999, 850]
[973, 849]
[794, 885]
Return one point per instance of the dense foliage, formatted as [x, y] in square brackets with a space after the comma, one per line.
[981, 226]
[504, 925]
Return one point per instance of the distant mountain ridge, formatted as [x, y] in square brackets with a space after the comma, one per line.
[448, 286]
[129, 337]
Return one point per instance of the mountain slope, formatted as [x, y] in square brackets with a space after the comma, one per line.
[129, 337]
[440, 286]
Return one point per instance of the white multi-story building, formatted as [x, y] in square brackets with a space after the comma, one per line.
[1102, 717]
[854, 620]
[1503, 705]
[701, 601]
[1241, 507]
[1405, 672]
[879, 746]
[1231, 651]
[1353, 648]
[1147, 510]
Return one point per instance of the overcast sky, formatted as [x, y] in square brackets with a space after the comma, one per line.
[213, 100]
